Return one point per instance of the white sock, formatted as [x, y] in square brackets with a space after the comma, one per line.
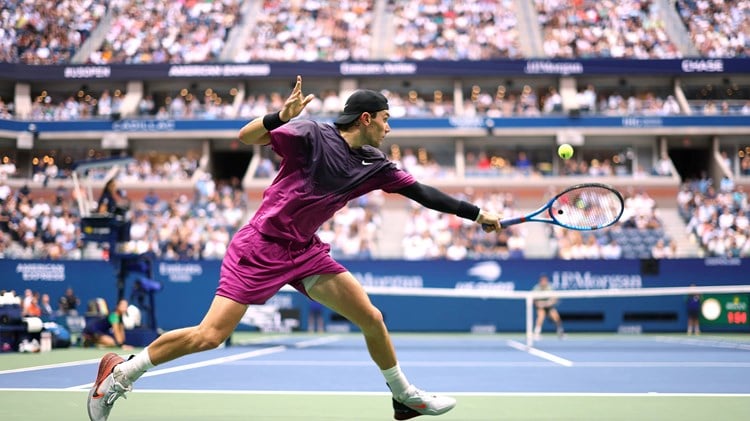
[134, 368]
[396, 380]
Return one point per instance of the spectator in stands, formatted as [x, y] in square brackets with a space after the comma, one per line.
[31, 304]
[28, 295]
[6, 110]
[151, 199]
[661, 250]
[611, 250]
[69, 302]
[591, 248]
[7, 168]
[146, 106]
[523, 164]
[47, 312]
[457, 250]
[5, 192]
[552, 102]
[664, 166]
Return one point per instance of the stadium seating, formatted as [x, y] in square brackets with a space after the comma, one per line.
[194, 32]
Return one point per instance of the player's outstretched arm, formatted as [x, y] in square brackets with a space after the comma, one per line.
[433, 198]
[256, 131]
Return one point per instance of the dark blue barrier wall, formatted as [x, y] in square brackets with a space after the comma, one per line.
[189, 288]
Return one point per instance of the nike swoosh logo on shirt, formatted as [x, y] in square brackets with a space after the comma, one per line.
[366, 163]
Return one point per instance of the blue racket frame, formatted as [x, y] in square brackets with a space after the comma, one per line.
[531, 217]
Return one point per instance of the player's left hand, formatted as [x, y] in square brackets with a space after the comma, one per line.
[295, 103]
[490, 221]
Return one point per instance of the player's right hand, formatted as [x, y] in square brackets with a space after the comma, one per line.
[295, 103]
[490, 221]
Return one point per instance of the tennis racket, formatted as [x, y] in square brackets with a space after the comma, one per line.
[583, 207]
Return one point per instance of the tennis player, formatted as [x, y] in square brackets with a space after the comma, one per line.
[323, 168]
[546, 306]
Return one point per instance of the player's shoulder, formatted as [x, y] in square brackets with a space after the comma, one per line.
[310, 129]
[301, 125]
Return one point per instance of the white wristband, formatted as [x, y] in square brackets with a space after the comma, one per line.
[479, 215]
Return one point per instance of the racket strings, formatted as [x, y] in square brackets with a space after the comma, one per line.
[587, 207]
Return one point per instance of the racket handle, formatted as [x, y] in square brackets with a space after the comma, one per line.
[504, 223]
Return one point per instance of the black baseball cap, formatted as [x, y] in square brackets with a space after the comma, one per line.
[361, 101]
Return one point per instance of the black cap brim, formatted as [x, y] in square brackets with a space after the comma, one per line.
[345, 119]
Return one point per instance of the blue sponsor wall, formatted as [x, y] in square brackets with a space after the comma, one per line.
[189, 288]
[550, 121]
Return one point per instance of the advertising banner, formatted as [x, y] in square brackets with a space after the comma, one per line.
[189, 286]
[126, 126]
[433, 68]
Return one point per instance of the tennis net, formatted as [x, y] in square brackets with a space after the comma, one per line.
[727, 303]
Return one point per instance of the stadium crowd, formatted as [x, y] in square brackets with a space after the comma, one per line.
[717, 216]
[47, 32]
[170, 225]
[322, 30]
[447, 30]
[167, 32]
[501, 101]
[145, 167]
[176, 227]
[433, 235]
[719, 28]
[639, 234]
[595, 28]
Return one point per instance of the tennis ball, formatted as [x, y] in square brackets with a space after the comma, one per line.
[565, 151]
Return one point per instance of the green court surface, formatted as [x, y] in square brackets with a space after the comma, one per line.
[142, 406]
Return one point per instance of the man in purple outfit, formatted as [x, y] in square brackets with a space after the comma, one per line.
[323, 168]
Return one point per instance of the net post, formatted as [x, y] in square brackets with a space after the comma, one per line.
[529, 320]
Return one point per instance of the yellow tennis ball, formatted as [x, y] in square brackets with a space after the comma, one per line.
[565, 151]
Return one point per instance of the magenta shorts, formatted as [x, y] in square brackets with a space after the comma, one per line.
[256, 266]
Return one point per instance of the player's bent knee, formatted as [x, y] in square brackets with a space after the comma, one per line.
[205, 340]
[372, 320]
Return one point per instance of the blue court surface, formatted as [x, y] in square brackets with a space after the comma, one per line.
[463, 365]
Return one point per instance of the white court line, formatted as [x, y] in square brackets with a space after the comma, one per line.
[664, 364]
[48, 366]
[317, 341]
[539, 353]
[347, 393]
[227, 359]
[502, 364]
[96, 360]
[711, 343]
